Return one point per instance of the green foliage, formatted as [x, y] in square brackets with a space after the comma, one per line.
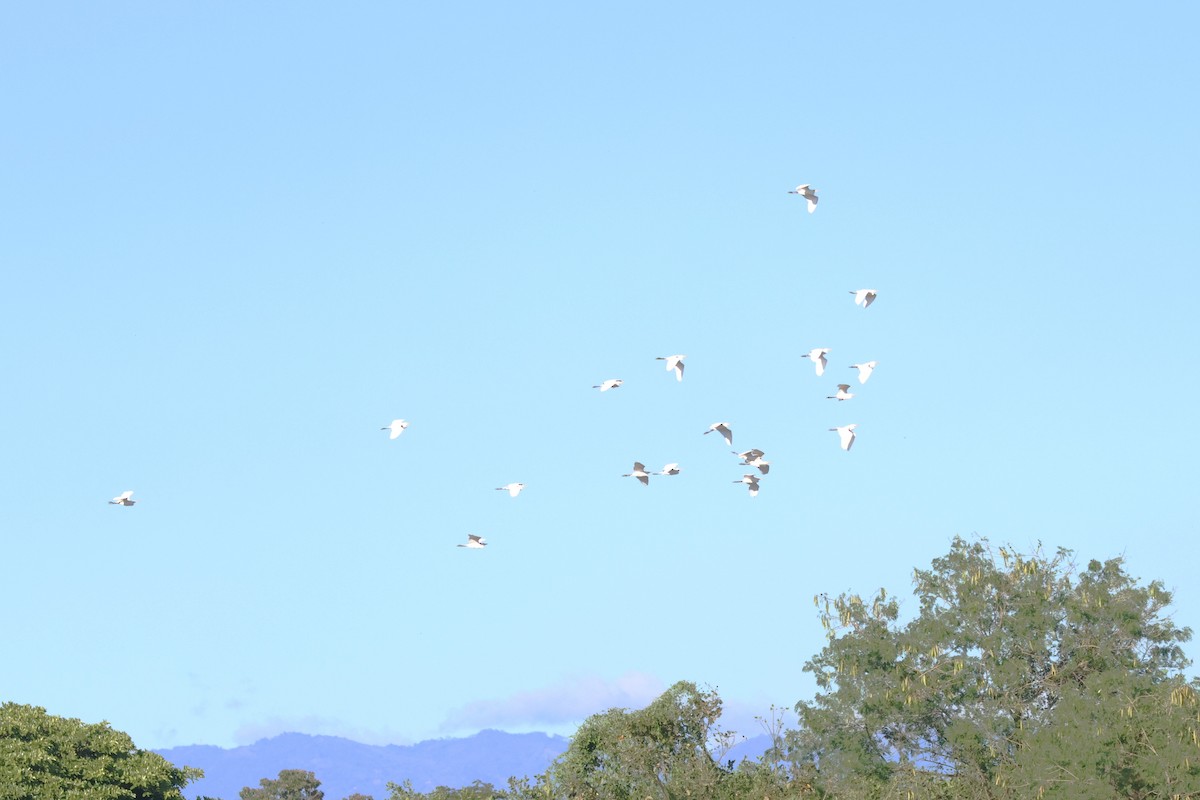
[43, 757]
[662, 751]
[656, 752]
[479, 790]
[292, 784]
[1019, 676]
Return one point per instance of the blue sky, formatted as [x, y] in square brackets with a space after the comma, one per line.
[239, 240]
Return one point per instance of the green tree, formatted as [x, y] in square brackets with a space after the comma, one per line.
[44, 757]
[479, 790]
[292, 784]
[661, 751]
[1010, 664]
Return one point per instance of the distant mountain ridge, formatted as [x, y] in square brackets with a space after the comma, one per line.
[345, 767]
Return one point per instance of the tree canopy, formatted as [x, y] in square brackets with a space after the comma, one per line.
[1019, 676]
[44, 757]
[292, 784]
[635, 754]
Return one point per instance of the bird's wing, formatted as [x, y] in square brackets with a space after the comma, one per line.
[639, 466]
[868, 298]
[125, 495]
[645, 479]
[847, 438]
[843, 387]
[679, 370]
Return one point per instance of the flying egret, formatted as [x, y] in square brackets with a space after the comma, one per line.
[397, 427]
[864, 370]
[474, 542]
[674, 363]
[639, 472]
[123, 499]
[863, 297]
[808, 193]
[754, 458]
[846, 434]
[611, 383]
[513, 489]
[817, 354]
[670, 469]
[723, 429]
[759, 463]
[751, 481]
[843, 393]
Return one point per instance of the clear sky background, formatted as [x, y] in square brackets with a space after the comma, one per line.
[238, 239]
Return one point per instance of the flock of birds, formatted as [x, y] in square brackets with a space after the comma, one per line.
[753, 457]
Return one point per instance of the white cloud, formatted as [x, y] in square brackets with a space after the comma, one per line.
[569, 701]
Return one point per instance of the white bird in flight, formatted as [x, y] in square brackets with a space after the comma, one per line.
[513, 489]
[808, 193]
[611, 383]
[864, 370]
[846, 435]
[817, 354]
[670, 469]
[123, 499]
[754, 458]
[864, 297]
[843, 393]
[639, 472]
[674, 363]
[723, 429]
[751, 481]
[397, 427]
[475, 542]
